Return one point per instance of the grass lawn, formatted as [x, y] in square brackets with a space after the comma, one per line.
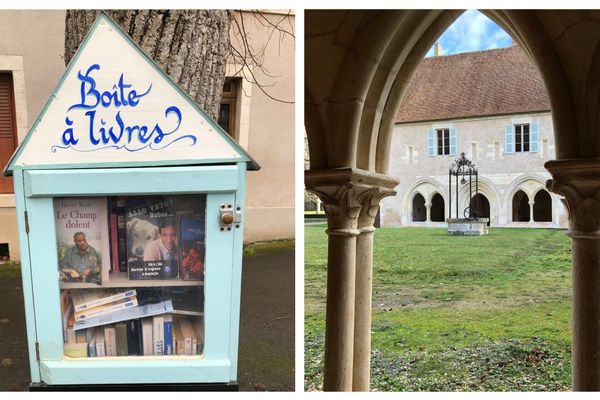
[450, 313]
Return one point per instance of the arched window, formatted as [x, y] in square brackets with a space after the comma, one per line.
[520, 207]
[419, 213]
[437, 208]
[481, 203]
[542, 207]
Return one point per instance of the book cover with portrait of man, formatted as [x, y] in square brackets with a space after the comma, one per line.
[82, 239]
[152, 248]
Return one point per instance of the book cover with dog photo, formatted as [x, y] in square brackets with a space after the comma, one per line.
[151, 238]
[82, 239]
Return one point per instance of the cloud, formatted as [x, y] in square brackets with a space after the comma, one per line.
[472, 31]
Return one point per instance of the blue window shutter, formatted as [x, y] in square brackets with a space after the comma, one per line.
[534, 145]
[453, 145]
[509, 139]
[430, 143]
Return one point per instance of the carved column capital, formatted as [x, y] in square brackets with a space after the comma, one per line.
[351, 196]
[578, 180]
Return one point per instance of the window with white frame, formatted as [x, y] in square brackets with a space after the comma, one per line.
[441, 141]
[521, 138]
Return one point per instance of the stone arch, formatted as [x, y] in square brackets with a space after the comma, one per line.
[427, 187]
[438, 208]
[418, 210]
[359, 63]
[481, 203]
[488, 189]
[542, 206]
[520, 207]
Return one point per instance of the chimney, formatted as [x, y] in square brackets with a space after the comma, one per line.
[437, 50]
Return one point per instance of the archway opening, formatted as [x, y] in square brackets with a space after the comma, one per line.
[520, 207]
[437, 208]
[481, 203]
[542, 207]
[419, 212]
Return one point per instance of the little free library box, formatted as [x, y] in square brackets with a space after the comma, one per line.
[131, 214]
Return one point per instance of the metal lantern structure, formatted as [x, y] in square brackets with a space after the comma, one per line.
[465, 170]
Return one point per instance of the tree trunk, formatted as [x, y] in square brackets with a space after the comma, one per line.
[191, 46]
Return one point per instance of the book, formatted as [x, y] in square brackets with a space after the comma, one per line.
[151, 238]
[110, 340]
[121, 338]
[80, 336]
[179, 340]
[91, 342]
[100, 343]
[114, 242]
[106, 309]
[66, 308]
[134, 337]
[82, 239]
[121, 234]
[158, 334]
[76, 350]
[84, 299]
[188, 336]
[146, 310]
[198, 327]
[192, 248]
[147, 337]
[71, 338]
[168, 334]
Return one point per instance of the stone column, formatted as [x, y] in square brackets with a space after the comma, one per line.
[428, 212]
[531, 203]
[343, 192]
[370, 198]
[579, 182]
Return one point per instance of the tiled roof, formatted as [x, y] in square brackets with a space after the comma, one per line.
[490, 82]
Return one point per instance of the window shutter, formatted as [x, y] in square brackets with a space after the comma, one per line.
[509, 139]
[7, 129]
[430, 142]
[453, 145]
[534, 146]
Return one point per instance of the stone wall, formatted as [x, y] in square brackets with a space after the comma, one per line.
[501, 174]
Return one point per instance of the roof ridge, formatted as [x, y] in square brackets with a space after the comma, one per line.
[464, 53]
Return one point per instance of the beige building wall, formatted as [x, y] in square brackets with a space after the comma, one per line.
[32, 46]
[270, 128]
[501, 175]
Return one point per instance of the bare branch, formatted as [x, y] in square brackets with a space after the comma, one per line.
[250, 59]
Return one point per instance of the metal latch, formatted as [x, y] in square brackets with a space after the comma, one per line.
[229, 217]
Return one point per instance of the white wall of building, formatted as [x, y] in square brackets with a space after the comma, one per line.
[501, 174]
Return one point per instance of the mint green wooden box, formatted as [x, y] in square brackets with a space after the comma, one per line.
[66, 154]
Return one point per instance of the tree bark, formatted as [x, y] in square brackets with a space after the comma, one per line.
[191, 46]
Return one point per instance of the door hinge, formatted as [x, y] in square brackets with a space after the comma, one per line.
[37, 351]
[26, 222]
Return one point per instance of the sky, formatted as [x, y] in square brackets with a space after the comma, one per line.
[472, 31]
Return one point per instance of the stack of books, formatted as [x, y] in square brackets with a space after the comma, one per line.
[112, 323]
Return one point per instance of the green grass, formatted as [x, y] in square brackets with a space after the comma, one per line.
[10, 270]
[251, 249]
[440, 300]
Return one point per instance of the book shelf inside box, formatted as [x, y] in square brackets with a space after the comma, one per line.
[177, 357]
[121, 279]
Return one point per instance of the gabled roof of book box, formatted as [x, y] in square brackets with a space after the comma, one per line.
[115, 107]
